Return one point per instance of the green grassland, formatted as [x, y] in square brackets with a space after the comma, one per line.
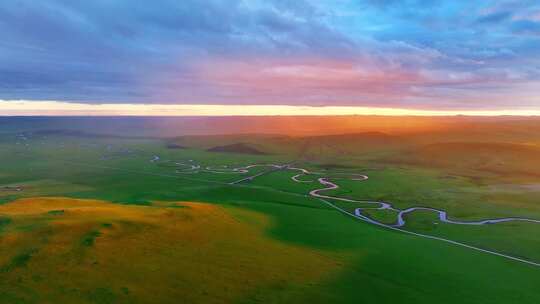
[265, 241]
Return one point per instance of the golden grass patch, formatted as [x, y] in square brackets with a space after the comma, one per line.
[60, 250]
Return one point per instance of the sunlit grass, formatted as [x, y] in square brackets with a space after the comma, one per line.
[136, 254]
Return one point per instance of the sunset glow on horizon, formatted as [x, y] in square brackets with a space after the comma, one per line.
[56, 108]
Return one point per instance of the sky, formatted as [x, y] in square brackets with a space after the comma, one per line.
[415, 55]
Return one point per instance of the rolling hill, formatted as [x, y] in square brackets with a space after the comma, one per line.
[496, 158]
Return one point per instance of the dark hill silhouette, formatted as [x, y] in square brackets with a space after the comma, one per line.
[241, 148]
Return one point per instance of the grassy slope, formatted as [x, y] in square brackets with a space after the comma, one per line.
[504, 160]
[64, 250]
[103, 240]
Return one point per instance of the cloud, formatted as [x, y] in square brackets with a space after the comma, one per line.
[526, 27]
[495, 17]
[306, 52]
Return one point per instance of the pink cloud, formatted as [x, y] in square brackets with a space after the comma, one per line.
[307, 76]
[322, 81]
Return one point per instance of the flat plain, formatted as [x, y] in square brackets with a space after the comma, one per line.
[97, 217]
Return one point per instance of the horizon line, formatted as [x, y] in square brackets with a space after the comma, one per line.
[64, 108]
